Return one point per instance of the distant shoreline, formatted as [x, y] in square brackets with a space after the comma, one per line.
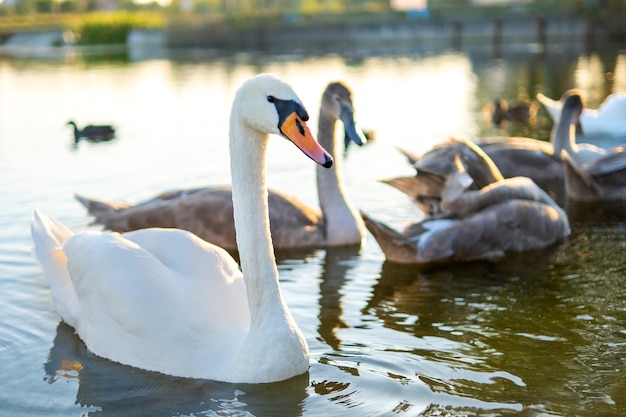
[456, 33]
[535, 33]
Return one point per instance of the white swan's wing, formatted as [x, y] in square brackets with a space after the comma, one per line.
[614, 107]
[135, 298]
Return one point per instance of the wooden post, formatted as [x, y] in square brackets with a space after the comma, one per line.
[496, 28]
[588, 35]
[541, 25]
[457, 35]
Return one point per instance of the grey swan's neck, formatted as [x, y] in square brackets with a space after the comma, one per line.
[343, 224]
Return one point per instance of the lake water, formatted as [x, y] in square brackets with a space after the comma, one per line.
[535, 334]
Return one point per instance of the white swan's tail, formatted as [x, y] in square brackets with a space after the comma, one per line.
[553, 107]
[49, 236]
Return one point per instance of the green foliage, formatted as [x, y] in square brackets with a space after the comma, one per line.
[68, 6]
[106, 28]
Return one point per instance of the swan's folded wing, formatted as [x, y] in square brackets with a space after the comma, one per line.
[526, 225]
[614, 107]
[207, 212]
[150, 288]
[612, 163]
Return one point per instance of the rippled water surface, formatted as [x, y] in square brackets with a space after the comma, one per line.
[535, 334]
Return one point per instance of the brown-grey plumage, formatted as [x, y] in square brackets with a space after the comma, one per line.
[445, 172]
[425, 189]
[507, 215]
[527, 157]
[208, 212]
[602, 179]
[524, 157]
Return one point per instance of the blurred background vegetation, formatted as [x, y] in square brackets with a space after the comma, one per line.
[108, 21]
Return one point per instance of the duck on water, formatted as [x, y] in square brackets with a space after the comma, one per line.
[93, 133]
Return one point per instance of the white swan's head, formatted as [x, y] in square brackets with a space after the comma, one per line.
[266, 104]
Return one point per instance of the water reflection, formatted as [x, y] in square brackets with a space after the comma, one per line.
[337, 263]
[118, 390]
[497, 321]
[537, 334]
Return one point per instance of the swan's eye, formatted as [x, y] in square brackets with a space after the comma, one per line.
[271, 99]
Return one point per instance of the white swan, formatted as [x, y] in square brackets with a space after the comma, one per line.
[208, 212]
[606, 120]
[165, 300]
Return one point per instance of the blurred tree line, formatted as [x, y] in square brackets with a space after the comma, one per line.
[596, 8]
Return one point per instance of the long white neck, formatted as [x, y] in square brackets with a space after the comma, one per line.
[247, 153]
[274, 348]
[344, 225]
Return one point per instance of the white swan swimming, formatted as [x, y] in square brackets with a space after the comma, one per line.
[166, 301]
[606, 120]
[208, 212]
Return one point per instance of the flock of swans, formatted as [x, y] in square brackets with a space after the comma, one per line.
[174, 301]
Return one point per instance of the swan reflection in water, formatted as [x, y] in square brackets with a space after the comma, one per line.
[338, 261]
[120, 390]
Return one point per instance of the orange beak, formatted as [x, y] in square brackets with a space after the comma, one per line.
[296, 130]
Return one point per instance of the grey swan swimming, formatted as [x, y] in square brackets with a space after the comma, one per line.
[208, 212]
[526, 157]
[506, 215]
[602, 179]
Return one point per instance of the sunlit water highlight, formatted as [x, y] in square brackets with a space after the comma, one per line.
[536, 334]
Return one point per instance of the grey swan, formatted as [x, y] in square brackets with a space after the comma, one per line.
[444, 173]
[526, 157]
[208, 212]
[602, 179]
[93, 133]
[166, 301]
[507, 215]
